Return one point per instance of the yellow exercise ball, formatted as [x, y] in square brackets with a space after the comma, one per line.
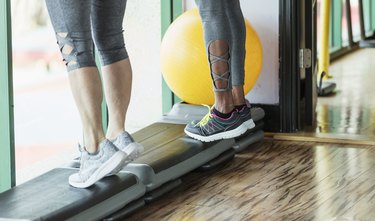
[185, 65]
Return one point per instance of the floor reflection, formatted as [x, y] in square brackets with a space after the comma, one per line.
[351, 110]
[345, 120]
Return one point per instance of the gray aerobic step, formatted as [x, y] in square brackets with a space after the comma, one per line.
[169, 154]
[50, 197]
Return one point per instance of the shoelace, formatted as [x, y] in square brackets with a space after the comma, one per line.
[206, 118]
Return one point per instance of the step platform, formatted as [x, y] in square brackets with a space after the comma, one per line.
[253, 136]
[183, 113]
[50, 197]
[169, 154]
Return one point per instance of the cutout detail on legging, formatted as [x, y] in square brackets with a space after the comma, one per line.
[220, 66]
[67, 49]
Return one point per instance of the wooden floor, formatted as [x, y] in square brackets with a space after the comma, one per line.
[295, 180]
[278, 180]
[351, 111]
[348, 115]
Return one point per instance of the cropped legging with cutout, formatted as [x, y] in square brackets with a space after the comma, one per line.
[223, 20]
[78, 22]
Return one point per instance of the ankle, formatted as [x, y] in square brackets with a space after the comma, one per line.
[238, 95]
[92, 141]
[240, 103]
[112, 133]
[223, 115]
[225, 109]
[240, 107]
[224, 102]
[92, 146]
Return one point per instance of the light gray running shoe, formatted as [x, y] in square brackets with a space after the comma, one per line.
[94, 167]
[126, 143]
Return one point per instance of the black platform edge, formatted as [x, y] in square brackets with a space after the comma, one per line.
[259, 125]
[126, 211]
[29, 201]
[219, 161]
[247, 142]
[164, 189]
[75, 163]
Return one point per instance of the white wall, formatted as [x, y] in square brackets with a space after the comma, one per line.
[142, 31]
[264, 16]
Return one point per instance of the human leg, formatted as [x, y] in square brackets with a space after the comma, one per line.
[117, 72]
[71, 21]
[107, 18]
[76, 46]
[238, 35]
[218, 45]
[222, 121]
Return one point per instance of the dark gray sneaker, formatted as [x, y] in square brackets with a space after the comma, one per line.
[212, 127]
[245, 115]
[96, 166]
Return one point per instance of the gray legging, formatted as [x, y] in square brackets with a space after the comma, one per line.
[223, 20]
[76, 21]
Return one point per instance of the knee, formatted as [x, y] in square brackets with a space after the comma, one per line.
[111, 46]
[76, 49]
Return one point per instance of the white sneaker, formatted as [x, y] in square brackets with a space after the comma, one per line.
[126, 143]
[94, 167]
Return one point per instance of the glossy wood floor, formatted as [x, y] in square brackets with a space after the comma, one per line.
[348, 115]
[295, 180]
[278, 180]
[351, 110]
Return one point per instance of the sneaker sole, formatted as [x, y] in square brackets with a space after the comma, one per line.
[222, 135]
[136, 150]
[115, 161]
[249, 124]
